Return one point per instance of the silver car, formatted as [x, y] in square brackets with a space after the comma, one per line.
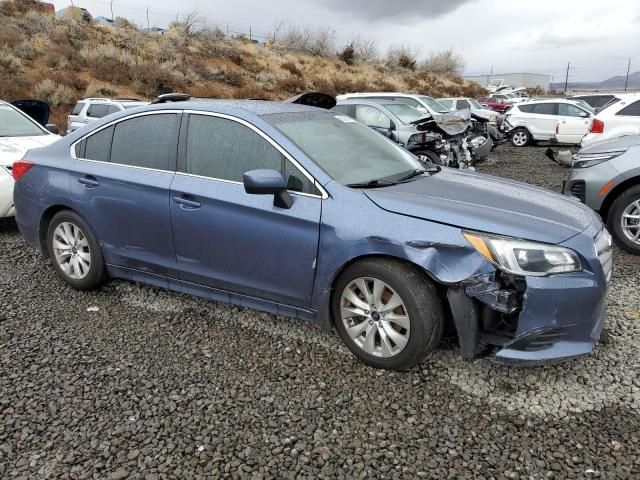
[606, 177]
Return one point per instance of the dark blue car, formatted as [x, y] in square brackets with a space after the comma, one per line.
[303, 212]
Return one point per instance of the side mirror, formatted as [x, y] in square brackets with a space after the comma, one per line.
[268, 182]
[53, 128]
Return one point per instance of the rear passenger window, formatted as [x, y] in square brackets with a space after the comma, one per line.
[526, 108]
[97, 111]
[567, 110]
[149, 141]
[463, 105]
[545, 108]
[632, 110]
[224, 149]
[112, 109]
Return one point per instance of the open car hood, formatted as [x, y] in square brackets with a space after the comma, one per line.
[453, 123]
[314, 99]
[36, 109]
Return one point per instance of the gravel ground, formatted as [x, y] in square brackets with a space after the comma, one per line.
[136, 382]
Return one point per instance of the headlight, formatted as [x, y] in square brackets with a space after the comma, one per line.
[524, 258]
[417, 139]
[586, 160]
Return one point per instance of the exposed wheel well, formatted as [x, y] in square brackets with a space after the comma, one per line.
[615, 193]
[44, 226]
[439, 287]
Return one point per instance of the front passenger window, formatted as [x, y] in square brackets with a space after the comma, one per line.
[224, 149]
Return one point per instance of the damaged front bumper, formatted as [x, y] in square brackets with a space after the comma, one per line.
[529, 320]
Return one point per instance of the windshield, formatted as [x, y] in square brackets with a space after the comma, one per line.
[14, 124]
[344, 148]
[474, 103]
[433, 104]
[405, 113]
[447, 102]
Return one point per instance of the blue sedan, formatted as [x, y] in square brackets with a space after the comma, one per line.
[303, 212]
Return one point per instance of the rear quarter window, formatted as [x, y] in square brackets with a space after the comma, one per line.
[632, 110]
[78, 108]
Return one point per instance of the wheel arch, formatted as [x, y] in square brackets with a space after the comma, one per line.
[613, 195]
[330, 322]
[45, 219]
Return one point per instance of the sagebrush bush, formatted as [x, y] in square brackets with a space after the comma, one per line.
[53, 93]
[99, 90]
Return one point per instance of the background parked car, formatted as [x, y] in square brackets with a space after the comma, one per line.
[538, 120]
[464, 103]
[423, 103]
[498, 104]
[597, 101]
[615, 120]
[80, 12]
[92, 109]
[18, 133]
[606, 177]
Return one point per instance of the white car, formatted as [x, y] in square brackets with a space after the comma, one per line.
[617, 119]
[92, 109]
[464, 103]
[423, 103]
[18, 133]
[538, 121]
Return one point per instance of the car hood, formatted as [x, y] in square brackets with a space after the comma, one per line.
[13, 149]
[453, 123]
[488, 204]
[612, 144]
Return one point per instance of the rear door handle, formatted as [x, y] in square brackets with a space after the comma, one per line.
[186, 204]
[89, 181]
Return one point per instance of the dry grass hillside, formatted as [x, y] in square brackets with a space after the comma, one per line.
[61, 60]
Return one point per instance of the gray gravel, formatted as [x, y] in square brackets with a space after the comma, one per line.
[154, 384]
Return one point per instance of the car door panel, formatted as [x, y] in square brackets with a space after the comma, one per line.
[230, 240]
[128, 201]
[244, 244]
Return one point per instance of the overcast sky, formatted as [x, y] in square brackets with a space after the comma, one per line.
[539, 36]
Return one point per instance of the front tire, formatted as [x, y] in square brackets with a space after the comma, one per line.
[75, 252]
[387, 313]
[624, 220]
[521, 137]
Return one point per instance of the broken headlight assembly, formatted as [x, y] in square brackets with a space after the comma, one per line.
[587, 160]
[521, 257]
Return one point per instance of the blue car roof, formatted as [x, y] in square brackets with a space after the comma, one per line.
[235, 107]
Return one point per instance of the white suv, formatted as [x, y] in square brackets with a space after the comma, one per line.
[92, 109]
[615, 120]
[538, 121]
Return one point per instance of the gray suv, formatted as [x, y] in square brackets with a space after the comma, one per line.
[606, 177]
[92, 109]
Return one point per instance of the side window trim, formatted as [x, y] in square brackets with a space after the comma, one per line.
[181, 166]
[72, 148]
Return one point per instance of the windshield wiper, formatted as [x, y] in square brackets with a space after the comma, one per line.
[375, 183]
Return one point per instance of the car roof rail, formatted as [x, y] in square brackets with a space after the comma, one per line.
[127, 100]
[96, 99]
[171, 97]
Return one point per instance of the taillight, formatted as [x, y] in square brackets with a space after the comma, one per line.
[20, 168]
[597, 126]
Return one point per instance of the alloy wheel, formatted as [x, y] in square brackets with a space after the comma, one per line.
[71, 250]
[375, 317]
[630, 222]
[520, 139]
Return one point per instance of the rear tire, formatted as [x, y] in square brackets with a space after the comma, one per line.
[387, 313]
[624, 220]
[75, 252]
[521, 137]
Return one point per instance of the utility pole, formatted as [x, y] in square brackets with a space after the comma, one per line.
[111, 7]
[566, 80]
[626, 80]
[250, 33]
[148, 23]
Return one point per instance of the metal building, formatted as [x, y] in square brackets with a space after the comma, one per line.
[527, 80]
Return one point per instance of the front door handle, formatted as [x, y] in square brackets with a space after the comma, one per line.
[186, 203]
[89, 181]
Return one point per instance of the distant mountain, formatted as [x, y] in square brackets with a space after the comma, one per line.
[616, 82]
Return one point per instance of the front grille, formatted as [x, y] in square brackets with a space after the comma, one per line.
[577, 190]
[604, 249]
